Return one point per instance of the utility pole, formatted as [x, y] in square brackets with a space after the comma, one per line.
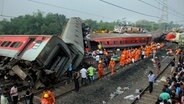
[164, 15]
[2, 7]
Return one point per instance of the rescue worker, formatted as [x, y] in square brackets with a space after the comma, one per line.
[91, 73]
[100, 69]
[146, 51]
[47, 97]
[178, 51]
[177, 55]
[137, 54]
[149, 50]
[112, 66]
[122, 60]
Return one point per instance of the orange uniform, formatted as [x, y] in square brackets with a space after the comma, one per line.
[47, 97]
[112, 66]
[178, 51]
[122, 60]
[100, 70]
[44, 101]
[146, 51]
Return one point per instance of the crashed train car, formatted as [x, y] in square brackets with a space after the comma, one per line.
[73, 37]
[41, 58]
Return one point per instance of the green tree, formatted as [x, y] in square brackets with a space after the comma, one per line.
[34, 24]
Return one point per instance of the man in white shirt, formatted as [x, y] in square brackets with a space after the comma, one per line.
[83, 73]
[151, 79]
[14, 94]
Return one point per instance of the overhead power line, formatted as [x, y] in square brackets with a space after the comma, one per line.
[1, 15]
[171, 9]
[150, 4]
[128, 9]
[157, 7]
[73, 10]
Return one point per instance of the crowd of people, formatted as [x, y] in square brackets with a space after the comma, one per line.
[11, 96]
[105, 61]
[173, 89]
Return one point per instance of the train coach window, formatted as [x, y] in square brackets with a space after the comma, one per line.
[39, 41]
[16, 44]
[121, 42]
[135, 41]
[115, 42]
[132, 41]
[5, 43]
[142, 41]
[104, 43]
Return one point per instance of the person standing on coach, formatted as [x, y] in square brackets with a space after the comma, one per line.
[151, 79]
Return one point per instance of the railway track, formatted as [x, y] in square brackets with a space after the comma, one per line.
[145, 96]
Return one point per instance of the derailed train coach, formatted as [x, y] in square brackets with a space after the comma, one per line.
[73, 37]
[40, 59]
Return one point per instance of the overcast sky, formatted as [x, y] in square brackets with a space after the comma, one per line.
[95, 9]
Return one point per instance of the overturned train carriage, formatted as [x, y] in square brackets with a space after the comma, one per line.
[74, 39]
[41, 58]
